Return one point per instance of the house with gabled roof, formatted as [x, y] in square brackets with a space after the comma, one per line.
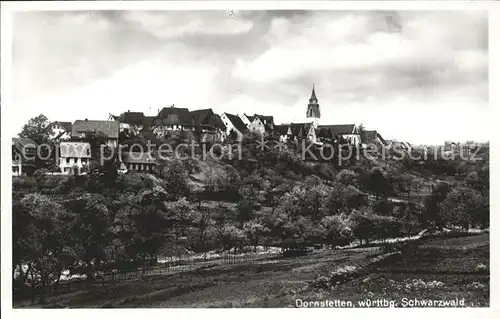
[59, 130]
[261, 124]
[105, 131]
[132, 122]
[137, 162]
[373, 137]
[234, 124]
[302, 131]
[74, 157]
[349, 132]
[208, 125]
[282, 131]
[247, 119]
[171, 119]
[24, 156]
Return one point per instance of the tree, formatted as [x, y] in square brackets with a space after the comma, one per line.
[363, 225]
[362, 133]
[229, 236]
[200, 233]
[181, 212]
[91, 230]
[462, 206]
[254, 231]
[472, 180]
[46, 245]
[175, 180]
[312, 202]
[433, 214]
[347, 177]
[232, 137]
[153, 220]
[377, 183]
[383, 207]
[21, 245]
[336, 230]
[229, 180]
[341, 199]
[36, 129]
[249, 192]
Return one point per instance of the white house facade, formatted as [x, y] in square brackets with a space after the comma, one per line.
[74, 155]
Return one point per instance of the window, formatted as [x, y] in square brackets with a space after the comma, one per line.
[67, 160]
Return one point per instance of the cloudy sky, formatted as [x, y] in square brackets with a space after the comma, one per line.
[412, 75]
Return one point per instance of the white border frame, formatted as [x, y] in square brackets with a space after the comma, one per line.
[7, 9]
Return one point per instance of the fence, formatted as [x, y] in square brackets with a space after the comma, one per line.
[178, 265]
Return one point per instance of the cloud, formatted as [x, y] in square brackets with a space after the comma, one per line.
[171, 24]
[367, 66]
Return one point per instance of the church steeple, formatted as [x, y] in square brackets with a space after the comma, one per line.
[313, 98]
[313, 114]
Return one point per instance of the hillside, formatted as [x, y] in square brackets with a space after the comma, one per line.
[210, 207]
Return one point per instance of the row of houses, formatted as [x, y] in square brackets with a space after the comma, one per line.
[203, 125]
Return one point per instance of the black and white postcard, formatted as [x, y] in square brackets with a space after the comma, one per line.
[247, 155]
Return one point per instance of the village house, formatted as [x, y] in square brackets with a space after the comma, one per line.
[172, 120]
[332, 133]
[60, 131]
[137, 162]
[74, 156]
[302, 131]
[24, 156]
[208, 125]
[374, 138]
[260, 124]
[132, 123]
[282, 131]
[234, 124]
[104, 131]
[247, 119]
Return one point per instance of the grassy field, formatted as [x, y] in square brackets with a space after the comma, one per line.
[437, 269]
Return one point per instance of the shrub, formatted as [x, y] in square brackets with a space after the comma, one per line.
[23, 182]
[347, 177]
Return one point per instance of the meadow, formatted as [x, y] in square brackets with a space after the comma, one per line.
[437, 268]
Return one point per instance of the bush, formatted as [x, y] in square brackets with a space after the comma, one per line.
[347, 177]
[324, 171]
[23, 182]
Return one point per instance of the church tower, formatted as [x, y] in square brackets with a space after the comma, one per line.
[313, 113]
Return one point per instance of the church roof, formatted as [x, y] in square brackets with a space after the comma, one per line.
[313, 95]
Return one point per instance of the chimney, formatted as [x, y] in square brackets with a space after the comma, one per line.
[86, 120]
[128, 111]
